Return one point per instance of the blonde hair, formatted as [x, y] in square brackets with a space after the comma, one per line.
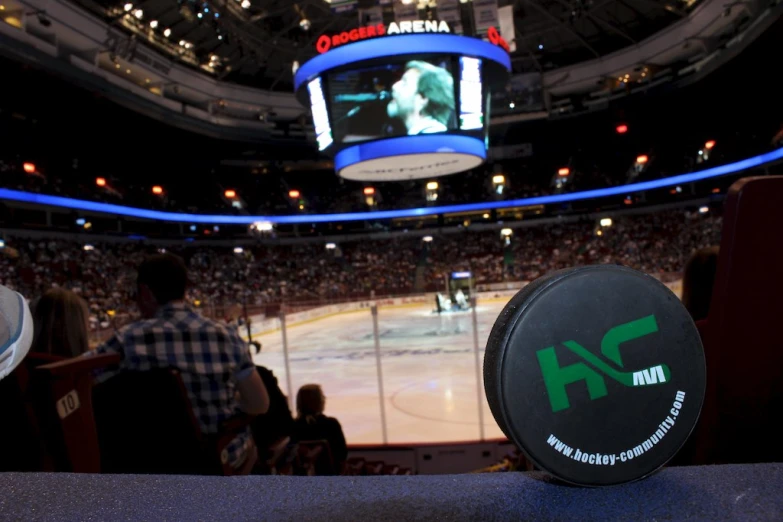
[60, 324]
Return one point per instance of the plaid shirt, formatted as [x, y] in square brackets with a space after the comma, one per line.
[210, 357]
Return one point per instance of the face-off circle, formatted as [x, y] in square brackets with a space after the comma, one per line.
[597, 373]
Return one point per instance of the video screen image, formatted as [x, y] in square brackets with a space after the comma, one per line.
[398, 99]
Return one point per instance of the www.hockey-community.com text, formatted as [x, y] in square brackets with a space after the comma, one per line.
[603, 459]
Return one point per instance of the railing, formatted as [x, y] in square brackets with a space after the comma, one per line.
[393, 369]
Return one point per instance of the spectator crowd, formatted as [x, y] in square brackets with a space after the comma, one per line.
[260, 275]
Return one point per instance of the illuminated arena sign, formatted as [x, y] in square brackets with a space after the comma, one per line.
[326, 42]
[408, 107]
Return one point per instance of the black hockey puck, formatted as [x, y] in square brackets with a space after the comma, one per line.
[596, 373]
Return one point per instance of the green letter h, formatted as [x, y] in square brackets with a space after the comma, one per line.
[556, 379]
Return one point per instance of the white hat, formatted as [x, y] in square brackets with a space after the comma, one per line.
[16, 330]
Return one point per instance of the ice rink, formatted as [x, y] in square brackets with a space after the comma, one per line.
[428, 367]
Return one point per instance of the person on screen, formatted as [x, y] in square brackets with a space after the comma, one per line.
[423, 98]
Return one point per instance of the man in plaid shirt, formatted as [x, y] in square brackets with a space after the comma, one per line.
[214, 361]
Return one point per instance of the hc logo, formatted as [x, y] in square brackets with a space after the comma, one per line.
[556, 378]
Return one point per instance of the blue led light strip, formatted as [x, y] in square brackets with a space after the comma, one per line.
[119, 210]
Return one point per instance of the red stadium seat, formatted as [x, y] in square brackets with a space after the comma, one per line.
[274, 459]
[25, 448]
[64, 408]
[315, 458]
[146, 425]
[742, 340]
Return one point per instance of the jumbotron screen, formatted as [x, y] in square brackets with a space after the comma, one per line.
[403, 98]
[406, 98]
[372, 109]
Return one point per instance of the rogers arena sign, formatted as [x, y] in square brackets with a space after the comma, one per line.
[326, 42]
[496, 39]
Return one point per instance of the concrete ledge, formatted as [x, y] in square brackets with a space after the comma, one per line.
[730, 492]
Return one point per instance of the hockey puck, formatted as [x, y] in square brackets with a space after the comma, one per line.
[596, 373]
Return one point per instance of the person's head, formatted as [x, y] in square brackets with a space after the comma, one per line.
[60, 324]
[161, 279]
[698, 280]
[423, 90]
[310, 401]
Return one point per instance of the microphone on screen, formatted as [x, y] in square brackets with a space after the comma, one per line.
[362, 97]
[359, 98]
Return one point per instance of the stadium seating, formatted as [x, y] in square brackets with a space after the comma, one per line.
[656, 243]
[64, 409]
[17, 409]
[741, 335]
[146, 425]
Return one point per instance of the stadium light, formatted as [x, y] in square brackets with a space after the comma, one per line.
[709, 145]
[238, 250]
[154, 24]
[262, 226]
[128, 7]
[622, 129]
[138, 13]
[230, 193]
[506, 232]
[293, 194]
[486, 215]
[80, 222]
[101, 182]
[89, 248]
[432, 185]
[565, 171]
[642, 159]
[427, 239]
[369, 191]
[330, 246]
[29, 167]
[498, 179]
[704, 210]
[157, 190]
[177, 217]
[2, 243]
[606, 222]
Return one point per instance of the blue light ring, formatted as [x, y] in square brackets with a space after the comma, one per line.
[106, 208]
[400, 45]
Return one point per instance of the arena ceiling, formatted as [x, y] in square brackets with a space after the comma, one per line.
[256, 42]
